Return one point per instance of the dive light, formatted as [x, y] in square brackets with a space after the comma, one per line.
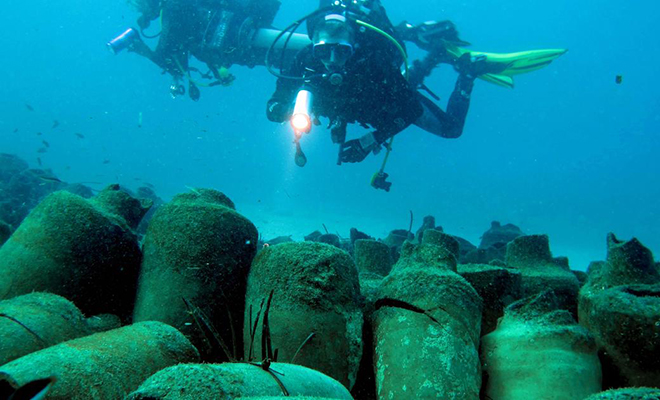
[123, 41]
[301, 120]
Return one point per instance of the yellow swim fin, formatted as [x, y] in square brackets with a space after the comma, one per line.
[511, 63]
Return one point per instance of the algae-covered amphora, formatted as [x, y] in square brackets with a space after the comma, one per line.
[197, 248]
[82, 249]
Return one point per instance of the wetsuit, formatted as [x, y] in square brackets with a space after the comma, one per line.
[213, 31]
[374, 93]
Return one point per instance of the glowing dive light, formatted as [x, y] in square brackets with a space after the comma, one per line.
[301, 121]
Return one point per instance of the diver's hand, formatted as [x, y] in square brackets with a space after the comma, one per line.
[473, 66]
[277, 111]
[357, 150]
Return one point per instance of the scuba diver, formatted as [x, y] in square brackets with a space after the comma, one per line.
[219, 33]
[352, 73]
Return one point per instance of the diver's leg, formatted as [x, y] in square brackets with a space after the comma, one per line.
[447, 124]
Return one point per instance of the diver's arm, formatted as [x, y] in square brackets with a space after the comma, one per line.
[357, 150]
[458, 106]
[447, 124]
[140, 48]
[280, 105]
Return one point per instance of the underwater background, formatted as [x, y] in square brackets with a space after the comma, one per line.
[568, 152]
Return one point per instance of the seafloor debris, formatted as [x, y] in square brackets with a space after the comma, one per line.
[379, 317]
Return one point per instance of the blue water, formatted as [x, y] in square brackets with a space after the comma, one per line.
[568, 152]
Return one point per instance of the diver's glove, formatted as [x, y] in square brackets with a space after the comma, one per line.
[357, 150]
[277, 111]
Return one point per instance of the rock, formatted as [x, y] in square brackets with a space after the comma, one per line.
[427, 319]
[315, 290]
[498, 287]
[237, 380]
[499, 233]
[83, 250]
[199, 248]
[539, 352]
[105, 365]
[620, 305]
[23, 191]
[10, 166]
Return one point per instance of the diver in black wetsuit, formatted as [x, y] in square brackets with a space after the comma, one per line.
[219, 33]
[353, 70]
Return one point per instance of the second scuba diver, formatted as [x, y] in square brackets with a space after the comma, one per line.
[217, 33]
[352, 73]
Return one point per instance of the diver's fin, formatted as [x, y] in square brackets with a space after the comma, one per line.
[510, 63]
[500, 80]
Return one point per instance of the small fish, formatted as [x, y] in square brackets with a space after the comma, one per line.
[42, 150]
[29, 107]
[147, 184]
[50, 179]
[38, 133]
[45, 143]
[106, 161]
[39, 161]
[79, 135]
[15, 130]
[140, 119]
[618, 79]
[55, 124]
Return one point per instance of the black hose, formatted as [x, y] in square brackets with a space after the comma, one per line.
[292, 28]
